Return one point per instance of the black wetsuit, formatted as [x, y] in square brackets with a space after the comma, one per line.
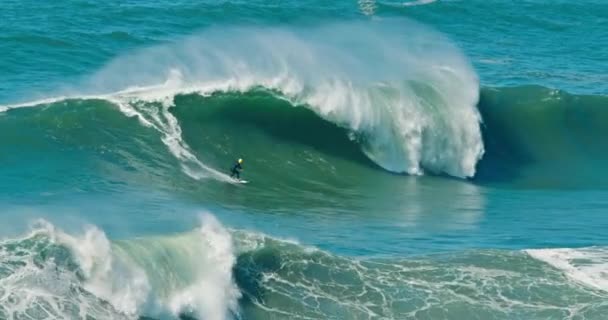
[236, 170]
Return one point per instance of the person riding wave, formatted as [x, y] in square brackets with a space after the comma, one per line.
[236, 169]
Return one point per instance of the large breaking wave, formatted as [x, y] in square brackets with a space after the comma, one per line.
[405, 93]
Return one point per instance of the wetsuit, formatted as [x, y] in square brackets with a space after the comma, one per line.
[236, 170]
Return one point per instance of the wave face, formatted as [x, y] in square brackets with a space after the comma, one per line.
[533, 133]
[215, 273]
[530, 133]
[406, 94]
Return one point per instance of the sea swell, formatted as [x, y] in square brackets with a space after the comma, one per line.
[215, 273]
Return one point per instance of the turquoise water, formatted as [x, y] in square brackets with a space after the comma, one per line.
[406, 160]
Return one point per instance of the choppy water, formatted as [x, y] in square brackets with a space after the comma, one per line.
[407, 160]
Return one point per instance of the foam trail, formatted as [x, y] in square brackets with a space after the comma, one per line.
[368, 7]
[161, 120]
[405, 92]
[418, 3]
[587, 266]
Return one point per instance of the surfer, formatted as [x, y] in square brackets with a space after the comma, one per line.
[236, 169]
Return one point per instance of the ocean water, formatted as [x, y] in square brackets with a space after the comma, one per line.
[406, 159]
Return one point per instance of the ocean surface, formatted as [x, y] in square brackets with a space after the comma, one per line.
[406, 159]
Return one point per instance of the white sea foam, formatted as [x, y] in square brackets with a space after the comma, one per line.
[418, 3]
[587, 266]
